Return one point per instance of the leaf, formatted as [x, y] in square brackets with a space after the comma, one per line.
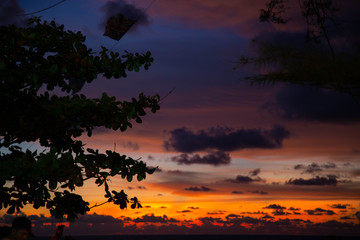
[129, 178]
[140, 177]
[11, 210]
[52, 184]
[91, 150]
[53, 68]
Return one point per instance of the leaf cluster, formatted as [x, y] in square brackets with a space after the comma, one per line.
[33, 62]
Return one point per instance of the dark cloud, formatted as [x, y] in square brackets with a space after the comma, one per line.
[11, 13]
[340, 206]
[184, 211]
[225, 139]
[317, 181]
[274, 206]
[238, 219]
[329, 165]
[254, 172]
[294, 209]
[267, 217]
[177, 172]
[90, 224]
[214, 158]
[199, 189]
[314, 167]
[320, 211]
[313, 104]
[258, 192]
[279, 212]
[237, 192]
[151, 218]
[220, 212]
[130, 11]
[244, 179]
[194, 208]
[257, 212]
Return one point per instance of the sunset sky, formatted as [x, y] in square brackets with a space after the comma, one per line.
[231, 157]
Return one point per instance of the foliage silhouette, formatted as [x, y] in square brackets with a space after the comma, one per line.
[34, 61]
[313, 63]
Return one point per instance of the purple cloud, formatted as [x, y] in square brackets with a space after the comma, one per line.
[317, 181]
[319, 211]
[199, 189]
[214, 158]
[244, 179]
[225, 139]
[274, 206]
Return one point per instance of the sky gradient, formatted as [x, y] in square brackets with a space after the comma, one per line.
[231, 157]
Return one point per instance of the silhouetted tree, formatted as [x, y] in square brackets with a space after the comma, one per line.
[34, 61]
[310, 64]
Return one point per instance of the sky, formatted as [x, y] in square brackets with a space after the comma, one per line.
[232, 157]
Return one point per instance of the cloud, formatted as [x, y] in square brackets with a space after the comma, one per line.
[219, 212]
[151, 218]
[274, 206]
[244, 179]
[176, 172]
[254, 172]
[258, 192]
[194, 208]
[279, 212]
[214, 158]
[257, 212]
[314, 167]
[294, 209]
[130, 11]
[225, 139]
[319, 211]
[317, 181]
[267, 217]
[340, 206]
[184, 211]
[237, 192]
[90, 224]
[318, 105]
[10, 13]
[199, 189]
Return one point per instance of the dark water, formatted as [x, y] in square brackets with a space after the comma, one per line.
[208, 237]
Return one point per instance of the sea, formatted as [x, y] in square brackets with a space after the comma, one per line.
[206, 237]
